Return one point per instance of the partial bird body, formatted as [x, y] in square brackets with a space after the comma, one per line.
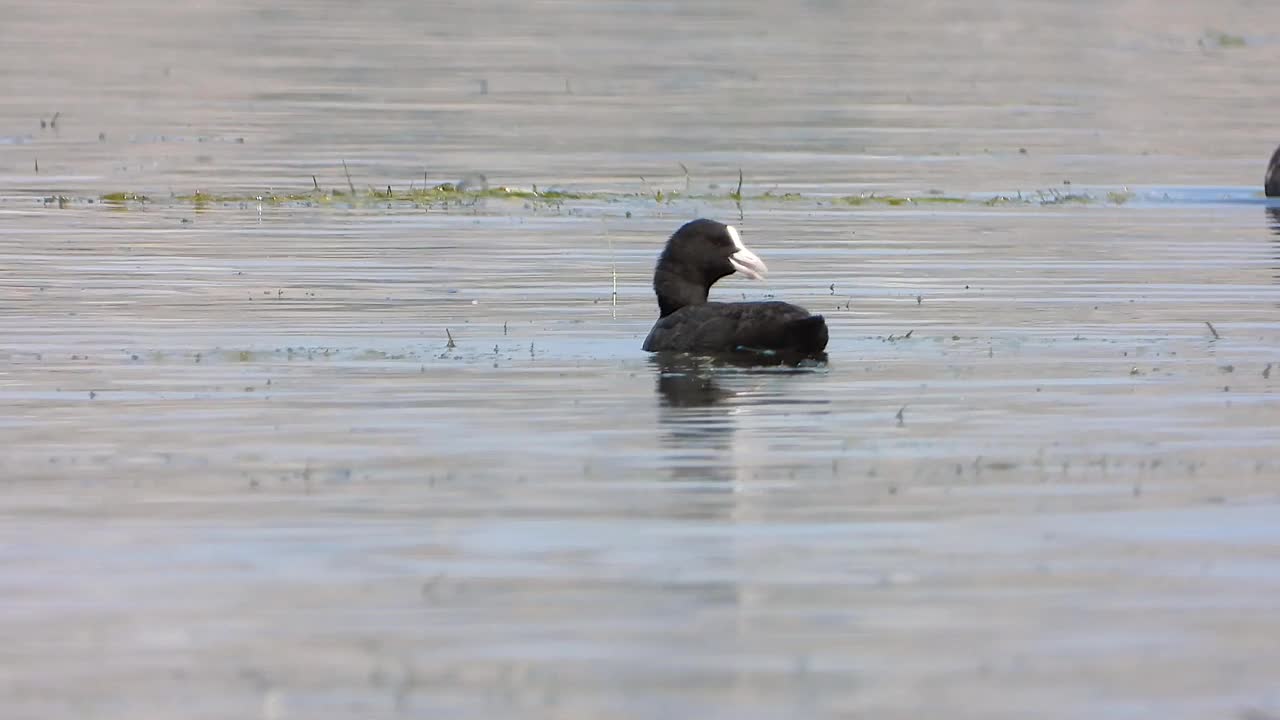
[1271, 185]
[720, 327]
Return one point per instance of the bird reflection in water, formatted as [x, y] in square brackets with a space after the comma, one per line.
[702, 400]
[1273, 221]
[691, 381]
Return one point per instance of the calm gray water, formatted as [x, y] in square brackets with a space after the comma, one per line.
[244, 474]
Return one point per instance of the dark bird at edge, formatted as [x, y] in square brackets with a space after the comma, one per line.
[1272, 185]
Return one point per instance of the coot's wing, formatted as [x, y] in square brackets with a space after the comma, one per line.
[766, 325]
[710, 327]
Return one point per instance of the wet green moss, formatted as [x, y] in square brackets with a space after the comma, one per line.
[446, 193]
[449, 195]
[1054, 196]
[121, 198]
[1066, 198]
[1219, 39]
[203, 199]
[896, 201]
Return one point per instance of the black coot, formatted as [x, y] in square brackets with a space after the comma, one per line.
[1272, 186]
[697, 255]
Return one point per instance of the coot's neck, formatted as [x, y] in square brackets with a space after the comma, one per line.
[675, 292]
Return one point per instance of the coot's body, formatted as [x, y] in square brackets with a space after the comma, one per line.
[1272, 186]
[732, 327]
[697, 255]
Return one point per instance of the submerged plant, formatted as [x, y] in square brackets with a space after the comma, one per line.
[1219, 39]
[450, 195]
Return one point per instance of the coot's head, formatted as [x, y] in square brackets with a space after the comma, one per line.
[697, 255]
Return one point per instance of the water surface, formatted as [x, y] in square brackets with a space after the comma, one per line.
[246, 475]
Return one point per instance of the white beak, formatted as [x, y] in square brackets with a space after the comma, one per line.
[745, 261]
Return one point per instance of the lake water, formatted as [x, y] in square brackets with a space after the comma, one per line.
[332, 458]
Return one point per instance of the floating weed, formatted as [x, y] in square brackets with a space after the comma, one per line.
[897, 200]
[1219, 39]
[120, 198]
[200, 199]
[1061, 198]
[1119, 198]
[1053, 196]
[443, 194]
[448, 195]
[381, 355]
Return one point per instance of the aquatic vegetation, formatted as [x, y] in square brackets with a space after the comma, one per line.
[123, 197]
[1219, 39]
[442, 194]
[1053, 196]
[449, 195]
[895, 201]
